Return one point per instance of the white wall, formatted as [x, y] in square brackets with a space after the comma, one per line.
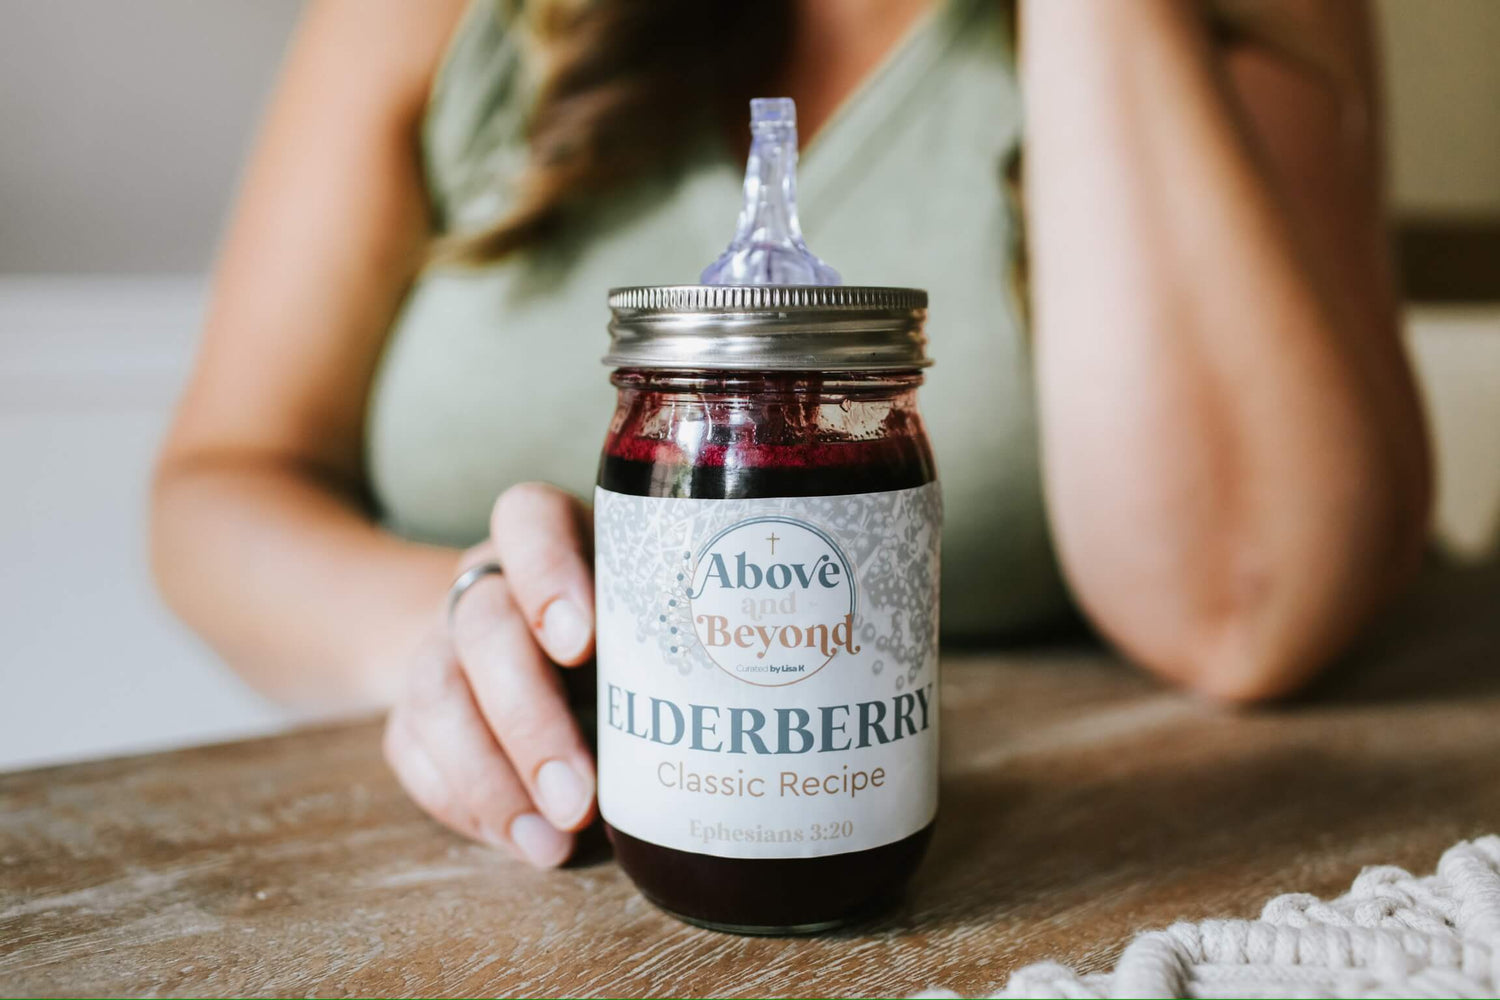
[122, 124]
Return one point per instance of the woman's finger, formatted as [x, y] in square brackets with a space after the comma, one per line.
[443, 753]
[539, 534]
[521, 697]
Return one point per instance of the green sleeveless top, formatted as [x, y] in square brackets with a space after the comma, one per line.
[491, 376]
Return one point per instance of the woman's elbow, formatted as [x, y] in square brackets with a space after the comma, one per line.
[1271, 639]
[166, 548]
[191, 511]
[1235, 663]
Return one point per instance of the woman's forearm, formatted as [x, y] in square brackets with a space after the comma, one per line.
[290, 581]
[1232, 455]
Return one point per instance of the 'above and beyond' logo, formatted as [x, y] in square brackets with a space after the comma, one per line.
[773, 600]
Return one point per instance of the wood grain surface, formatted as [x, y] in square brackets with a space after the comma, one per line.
[1081, 803]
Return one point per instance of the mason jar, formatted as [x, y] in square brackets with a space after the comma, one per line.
[767, 524]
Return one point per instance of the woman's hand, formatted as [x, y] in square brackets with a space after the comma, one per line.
[481, 735]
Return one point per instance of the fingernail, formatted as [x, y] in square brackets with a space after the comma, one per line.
[562, 792]
[566, 628]
[541, 843]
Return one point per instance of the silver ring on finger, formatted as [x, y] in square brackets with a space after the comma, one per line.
[465, 581]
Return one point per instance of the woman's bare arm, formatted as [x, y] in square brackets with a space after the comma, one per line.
[1233, 450]
[260, 536]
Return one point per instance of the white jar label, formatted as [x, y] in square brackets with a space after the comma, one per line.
[768, 682]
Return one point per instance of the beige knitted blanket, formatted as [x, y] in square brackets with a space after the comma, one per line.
[1390, 935]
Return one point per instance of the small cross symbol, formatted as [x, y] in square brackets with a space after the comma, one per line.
[773, 540]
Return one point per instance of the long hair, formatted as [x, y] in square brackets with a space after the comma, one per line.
[627, 87]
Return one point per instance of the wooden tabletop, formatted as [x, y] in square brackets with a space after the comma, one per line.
[1081, 803]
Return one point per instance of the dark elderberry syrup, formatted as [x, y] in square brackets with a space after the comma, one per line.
[778, 438]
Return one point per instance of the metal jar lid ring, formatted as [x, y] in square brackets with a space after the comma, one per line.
[767, 327]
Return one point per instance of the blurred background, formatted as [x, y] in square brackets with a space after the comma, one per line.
[122, 125]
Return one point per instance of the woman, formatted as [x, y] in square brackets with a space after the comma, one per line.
[409, 306]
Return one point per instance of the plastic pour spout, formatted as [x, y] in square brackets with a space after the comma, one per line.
[768, 248]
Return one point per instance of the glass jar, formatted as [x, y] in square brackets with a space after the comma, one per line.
[766, 561]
